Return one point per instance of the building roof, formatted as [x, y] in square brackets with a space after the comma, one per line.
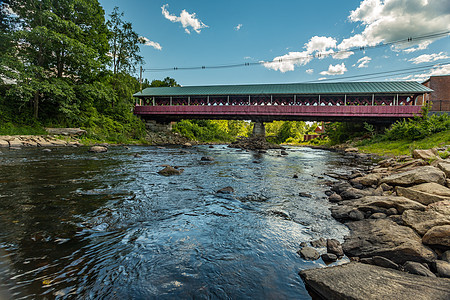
[388, 87]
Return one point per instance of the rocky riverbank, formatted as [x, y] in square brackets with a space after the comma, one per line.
[20, 141]
[398, 213]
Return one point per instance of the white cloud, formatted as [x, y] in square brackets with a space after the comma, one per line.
[429, 58]
[338, 69]
[393, 20]
[320, 43]
[309, 71]
[238, 27]
[436, 71]
[186, 19]
[363, 62]
[322, 78]
[343, 54]
[153, 44]
[288, 62]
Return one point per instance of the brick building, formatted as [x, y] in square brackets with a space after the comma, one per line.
[440, 97]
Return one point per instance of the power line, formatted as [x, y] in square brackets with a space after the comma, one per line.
[382, 74]
[311, 56]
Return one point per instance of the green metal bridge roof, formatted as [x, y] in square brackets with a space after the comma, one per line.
[388, 87]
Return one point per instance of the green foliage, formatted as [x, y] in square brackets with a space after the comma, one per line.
[167, 82]
[212, 130]
[340, 132]
[9, 128]
[286, 131]
[418, 128]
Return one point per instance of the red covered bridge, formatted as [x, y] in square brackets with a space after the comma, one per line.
[350, 101]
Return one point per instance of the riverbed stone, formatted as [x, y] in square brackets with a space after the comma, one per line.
[4, 143]
[309, 253]
[169, 171]
[422, 221]
[442, 207]
[378, 216]
[356, 215]
[383, 237]
[417, 268]
[358, 281]
[446, 256]
[416, 176]
[442, 268]
[374, 204]
[445, 167]
[351, 149]
[320, 243]
[207, 158]
[226, 190]
[335, 198]
[98, 149]
[438, 235]
[335, 247]
[384, 262]
[370, 179]
[329, 257]
[424, 154]
[16, 142]
[425, 193]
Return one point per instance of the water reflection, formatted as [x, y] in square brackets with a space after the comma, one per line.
[75, 223]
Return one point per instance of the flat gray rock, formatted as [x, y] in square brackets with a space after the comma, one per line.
[416, 176]
[383, 237]
[361, 281]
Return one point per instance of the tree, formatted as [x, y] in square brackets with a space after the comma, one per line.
[59, 43]
[124, 44]
[167, 82]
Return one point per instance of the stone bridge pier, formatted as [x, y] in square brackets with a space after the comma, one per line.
[259, 130]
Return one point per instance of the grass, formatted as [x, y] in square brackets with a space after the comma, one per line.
[10, 129]
[405, 147]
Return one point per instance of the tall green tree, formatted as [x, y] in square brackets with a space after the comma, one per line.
[60, 43]
[124, 44]
[166, 82]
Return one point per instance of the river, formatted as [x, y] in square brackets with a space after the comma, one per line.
[90, 226]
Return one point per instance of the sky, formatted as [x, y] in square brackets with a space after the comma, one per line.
[289, 41]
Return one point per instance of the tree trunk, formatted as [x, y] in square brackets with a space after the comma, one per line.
[36, 104]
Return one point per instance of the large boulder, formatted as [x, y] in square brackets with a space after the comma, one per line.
[438, 235]
[368, 180]
[417, 268]
[425, 193]
[422, 221]
[373, 204]
[416, 176]
[359, 281]
[4, 143]
[442, 207]
[383, 237]
[424, 154]
[445, 167]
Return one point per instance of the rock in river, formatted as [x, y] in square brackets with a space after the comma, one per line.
[98, 149]
[361, 282]
[438, 235]
[383, 237]
[416, 176]
[169, 171]
[309, 253]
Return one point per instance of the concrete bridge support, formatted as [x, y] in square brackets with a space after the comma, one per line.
[155, 126]
[259, 129]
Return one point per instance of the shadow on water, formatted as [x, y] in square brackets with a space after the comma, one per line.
[107, 225]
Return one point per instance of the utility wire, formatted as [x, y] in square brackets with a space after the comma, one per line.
[382, 74]
[317, 55]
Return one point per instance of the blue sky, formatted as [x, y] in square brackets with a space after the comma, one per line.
[209, 33]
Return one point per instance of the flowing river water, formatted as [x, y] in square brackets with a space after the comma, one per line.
[108, 226]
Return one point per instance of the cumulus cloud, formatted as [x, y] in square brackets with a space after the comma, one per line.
[153, 44]
[309, 71]
[429, 58]
[338, 69]
[393, 20]
[288, 61]
[318, 46]
[363, 62]
[343, 54]
[436, 71]
[238, 27]
[186, 19]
